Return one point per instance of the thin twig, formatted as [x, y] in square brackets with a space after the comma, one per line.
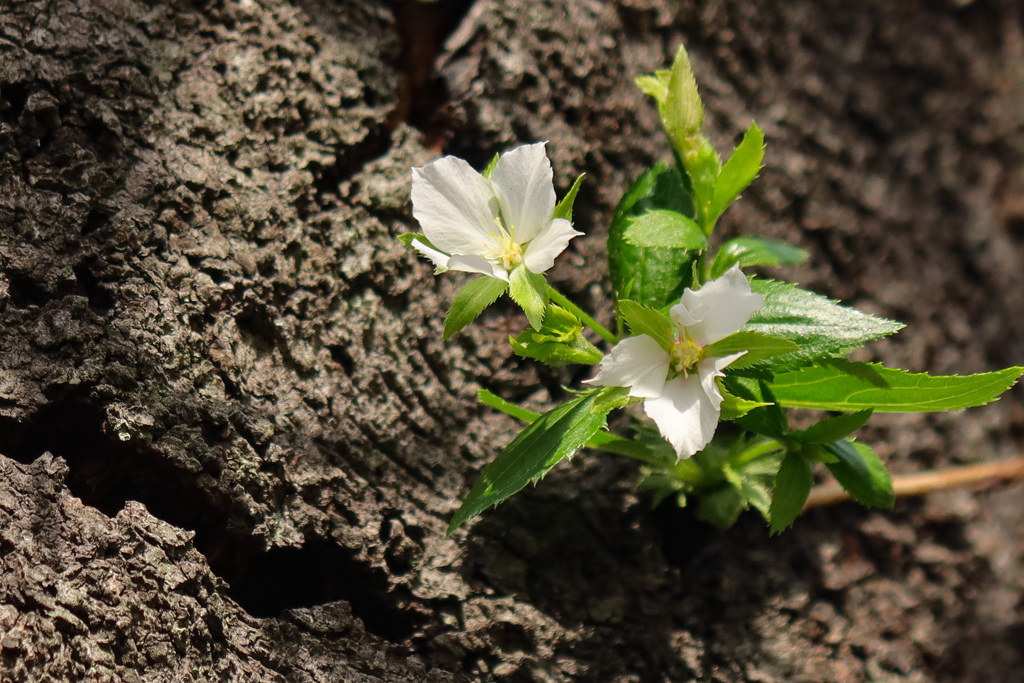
[926, 482]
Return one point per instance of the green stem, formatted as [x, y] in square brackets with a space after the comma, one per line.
[559, 299]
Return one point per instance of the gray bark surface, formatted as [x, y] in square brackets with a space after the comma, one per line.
[230, 434]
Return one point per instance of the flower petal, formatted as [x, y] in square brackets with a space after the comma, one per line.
[638, 363]
[439, 258]
[685, 414]
[719, 308]
[522, 182]
[470, 263]
[540, 253]
[455, 205]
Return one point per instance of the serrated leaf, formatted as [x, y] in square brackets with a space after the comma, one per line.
[489, 398]
[842, 385]
[655, 85]
[792, 486]
[683, 111]
[759, 348]
[644, 320]
[490, 167]
[815, 453]
[659, 228]
[702, 167]
[471, 301]
[651, 276]
[564, 208]
[559, 341]
[738, 172]
[529, 290]
[862, 473]
[540, 446]
[755, 251]
[819, 326]
[832, 429]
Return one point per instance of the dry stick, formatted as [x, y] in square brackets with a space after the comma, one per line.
[920, 484]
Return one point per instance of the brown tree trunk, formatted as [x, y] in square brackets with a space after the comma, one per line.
[231, 436]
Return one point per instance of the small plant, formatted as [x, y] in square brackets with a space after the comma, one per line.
[697, 343]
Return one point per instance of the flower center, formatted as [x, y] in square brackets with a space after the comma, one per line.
[685, 354]
[509, 253]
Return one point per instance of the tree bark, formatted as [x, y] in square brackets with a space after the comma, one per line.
[232, 437]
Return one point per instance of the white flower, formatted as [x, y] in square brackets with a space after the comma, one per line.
[679, 385]
[490, 226]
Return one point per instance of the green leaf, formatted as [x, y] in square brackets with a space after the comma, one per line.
[759, 347]
[738, 172]
[651, 276]
[683, 112]
[491, 399]
[490, 167]
[818, 325]
[771, 420]
[832, 429]
[722, 508]
[559, 341]
[862, 473]
[703, 166]
[792, 486]
[655, 85]
[660, 228]
[471, 301]
[836, 384]
[756, 477]
[564, 208]
[644, 320]
[557, 434]
[755, 251]
[529, 290]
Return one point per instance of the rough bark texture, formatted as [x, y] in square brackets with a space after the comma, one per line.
[232, 437]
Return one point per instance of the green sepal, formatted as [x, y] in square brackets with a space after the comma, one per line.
[841, 385]
[564, 208]
[471, 301]
[734, 407]
[760, 348]
[755, 251]
[662, 229]
[738, 172]
[490, 167]
[862, 474]
[832, 428]
[819, 326]
[555, 435]
[408, 238]
[559, 341]
[645, 320]
[792, 486]
[529, 290]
